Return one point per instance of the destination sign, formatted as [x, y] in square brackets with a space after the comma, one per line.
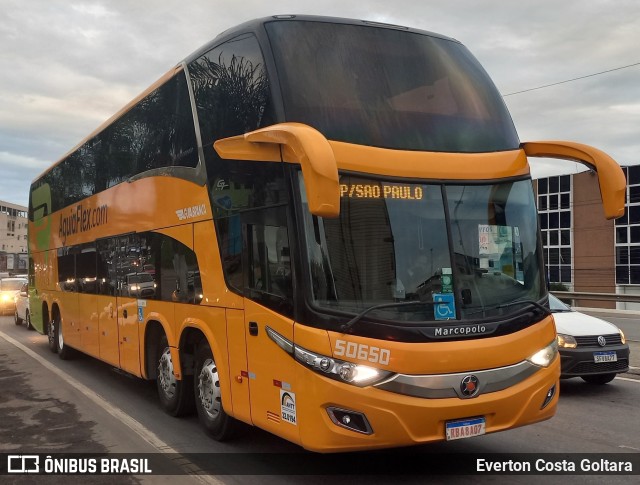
[381, 191]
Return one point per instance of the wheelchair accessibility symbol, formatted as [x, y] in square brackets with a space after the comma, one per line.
[444, 307]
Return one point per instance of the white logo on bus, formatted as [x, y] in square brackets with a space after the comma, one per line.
[191, 212]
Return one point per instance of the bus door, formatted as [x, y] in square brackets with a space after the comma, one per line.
[129, 264]
[107, 258]
[269, 304]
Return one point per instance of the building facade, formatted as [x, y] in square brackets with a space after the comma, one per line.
[13, 238]
[583, 251]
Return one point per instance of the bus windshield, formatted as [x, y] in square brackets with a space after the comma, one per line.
[404, 242]
[388, 88]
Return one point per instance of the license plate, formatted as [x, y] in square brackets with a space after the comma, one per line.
[599, 357]
[464, 428]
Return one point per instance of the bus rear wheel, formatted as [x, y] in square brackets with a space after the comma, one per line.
[51, 334]
[64, 351]
[218, 424]
[176, 397]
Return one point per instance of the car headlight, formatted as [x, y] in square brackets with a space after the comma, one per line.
[5, 297]
[566, 341]
[340, 370]
[623, 339]
[544, 357]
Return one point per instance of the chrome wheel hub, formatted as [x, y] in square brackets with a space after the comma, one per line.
[60, 337]
[209, 389]
[165, 374]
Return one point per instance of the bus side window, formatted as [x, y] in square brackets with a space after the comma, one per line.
[86, 269]
[107, 260]
[269, 265]
[66, 270]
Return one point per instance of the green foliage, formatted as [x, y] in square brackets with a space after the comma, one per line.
[558, 287]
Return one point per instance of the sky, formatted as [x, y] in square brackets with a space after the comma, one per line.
[68, 65]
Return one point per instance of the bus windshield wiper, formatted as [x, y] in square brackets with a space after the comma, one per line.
[534, 303]
[346, 326]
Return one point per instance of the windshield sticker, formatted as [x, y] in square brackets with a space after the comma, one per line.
[444, 307]
[447, 280]
[494, 239]
[500, 250]
[288, 406]
[381, 191]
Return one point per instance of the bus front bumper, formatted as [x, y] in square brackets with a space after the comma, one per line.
[384, 419]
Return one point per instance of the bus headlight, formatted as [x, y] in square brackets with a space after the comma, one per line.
[544, 357]
[566, 341]
[356, 374]
[340, 370]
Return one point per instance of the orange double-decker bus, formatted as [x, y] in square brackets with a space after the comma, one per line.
[325, 228]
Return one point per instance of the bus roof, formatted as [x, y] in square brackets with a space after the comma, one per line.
[246, 27]
[256, 24]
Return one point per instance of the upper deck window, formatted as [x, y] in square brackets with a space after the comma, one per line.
[388, 88]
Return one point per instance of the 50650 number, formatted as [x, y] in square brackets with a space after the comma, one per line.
[352, 350]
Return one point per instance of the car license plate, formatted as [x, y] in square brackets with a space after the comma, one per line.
[464, 428]
[599, 357]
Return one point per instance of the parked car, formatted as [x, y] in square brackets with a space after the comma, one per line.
[590, 348]
[9, 288]
[22, 313]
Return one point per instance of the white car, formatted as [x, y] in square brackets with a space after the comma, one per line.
[9, 288]
[589, 347]
[22, 313]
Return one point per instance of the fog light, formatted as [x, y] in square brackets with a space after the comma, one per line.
[550, 393]
[351, 420]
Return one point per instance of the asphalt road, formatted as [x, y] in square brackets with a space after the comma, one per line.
[83, 405]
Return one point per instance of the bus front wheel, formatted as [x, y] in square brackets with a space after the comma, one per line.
[176, 397]
[217, 423]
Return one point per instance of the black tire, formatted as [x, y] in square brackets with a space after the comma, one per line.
[28, 319]
[599, 379]
[64, 351]
[17, 319]
[51, 333]
[216, 422]
[176, 397]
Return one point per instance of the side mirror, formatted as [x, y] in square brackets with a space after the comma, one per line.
[613, 185]
[300, 144]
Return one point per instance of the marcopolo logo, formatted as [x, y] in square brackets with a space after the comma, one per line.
[81, 219]
[191, 212]
[461, 330]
